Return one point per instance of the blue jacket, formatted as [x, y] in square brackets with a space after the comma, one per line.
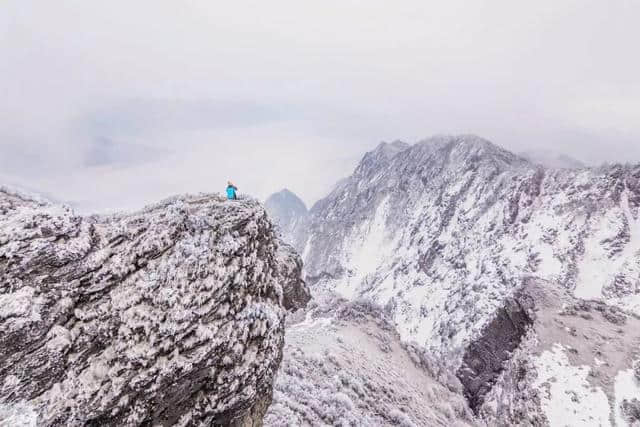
[231, 192]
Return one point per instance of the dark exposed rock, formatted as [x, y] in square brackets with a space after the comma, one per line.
[168, 316]
[631, 410]
[294, 297]
[611, 313]
[485, 357]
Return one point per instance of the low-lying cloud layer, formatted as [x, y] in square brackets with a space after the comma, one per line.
[112, 105]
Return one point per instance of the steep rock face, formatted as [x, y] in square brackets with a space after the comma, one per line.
[295, 295]
[289, 213]
[169, 316]
[485, 357]
[574, 361]
[442, 233]
[446, 233]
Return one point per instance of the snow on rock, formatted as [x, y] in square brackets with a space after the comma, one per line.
[627, 398]
[294, 297]
[445, 234]
[169, 316]
[569, 399]
[443, 231]
[592, 345]
[18, 414]
[344, 365]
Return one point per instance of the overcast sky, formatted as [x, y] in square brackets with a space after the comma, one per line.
[115, 104]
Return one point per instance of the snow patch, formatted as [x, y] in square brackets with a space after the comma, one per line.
[598, 268]
[369, 249]
[20, 307]
[625, 387]
[18, 415]
[566, 395]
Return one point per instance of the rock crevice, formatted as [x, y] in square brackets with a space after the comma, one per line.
[485, 357]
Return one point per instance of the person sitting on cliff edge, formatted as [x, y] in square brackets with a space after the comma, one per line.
[232, 191]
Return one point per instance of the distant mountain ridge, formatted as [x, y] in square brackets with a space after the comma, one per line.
[289, 213]
[429, 198]
[444, 233]
[553, 160]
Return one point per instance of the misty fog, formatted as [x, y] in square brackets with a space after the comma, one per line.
[111, 105]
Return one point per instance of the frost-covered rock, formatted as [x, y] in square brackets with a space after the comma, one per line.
[344, 365]
[169, 316]
[296, 295]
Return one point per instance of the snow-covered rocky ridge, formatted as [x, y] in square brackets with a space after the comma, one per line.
[344, 365]
[576, 362]
[552, 159]
[173, 315]
[444, 233]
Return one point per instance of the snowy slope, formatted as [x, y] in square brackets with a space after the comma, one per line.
[444, 230]
[575, 362]
[443, 233]
[345, 365]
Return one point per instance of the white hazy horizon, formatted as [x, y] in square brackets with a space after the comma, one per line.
[113, 105]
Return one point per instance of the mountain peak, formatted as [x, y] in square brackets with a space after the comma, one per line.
[288, 211]
[383, 153]
[464, 141]
[471, 147]
[390, 149]
[462, 241]
[288, 196]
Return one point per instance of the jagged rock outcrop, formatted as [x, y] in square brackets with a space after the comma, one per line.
[298, 295]
[631, 410]
[169, 316]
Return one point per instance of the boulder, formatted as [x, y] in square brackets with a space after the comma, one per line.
[169, 316]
